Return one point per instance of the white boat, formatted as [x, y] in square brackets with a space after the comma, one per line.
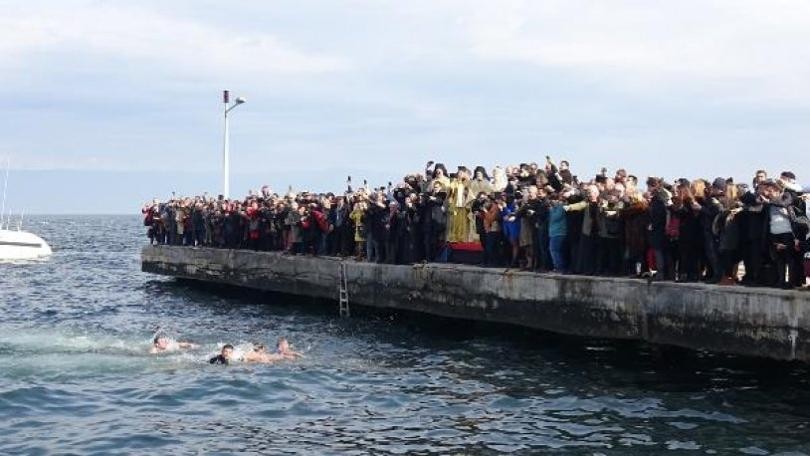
[18, 244]
[22, 245]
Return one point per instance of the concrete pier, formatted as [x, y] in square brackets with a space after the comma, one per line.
[749, 321]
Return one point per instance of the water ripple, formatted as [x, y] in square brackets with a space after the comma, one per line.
[77, 377]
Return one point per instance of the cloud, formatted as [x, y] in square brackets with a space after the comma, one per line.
[753, 48]
[177, 45]
[117, 85]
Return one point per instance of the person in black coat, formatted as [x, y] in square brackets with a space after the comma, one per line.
[412, 248]
[690, 235]
[395, 233]
[434, 221]
[712, 207]
[657, 231]
[376, 219]
[752, 222]
[573, 221]
[232, 229]
[478, 212]
[782, 232]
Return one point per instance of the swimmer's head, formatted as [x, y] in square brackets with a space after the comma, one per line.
[227, 351]
[257, 347]
[161, 342]
[282, 344]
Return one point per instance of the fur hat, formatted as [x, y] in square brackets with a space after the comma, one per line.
[441, 167]
[482, 170]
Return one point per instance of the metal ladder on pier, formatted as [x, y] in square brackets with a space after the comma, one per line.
[344, 293]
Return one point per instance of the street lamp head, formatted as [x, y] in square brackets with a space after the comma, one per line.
[240, 100]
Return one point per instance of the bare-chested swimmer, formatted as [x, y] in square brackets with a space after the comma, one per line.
[163, 343]
[283, 349]
[259, 354]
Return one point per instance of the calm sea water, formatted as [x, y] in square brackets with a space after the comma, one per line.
[76, 378]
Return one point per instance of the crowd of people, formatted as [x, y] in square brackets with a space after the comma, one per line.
[533, 216]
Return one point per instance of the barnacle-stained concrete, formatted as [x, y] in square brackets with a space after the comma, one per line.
[751, 321]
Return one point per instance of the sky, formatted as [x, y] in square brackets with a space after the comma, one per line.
[107, 104]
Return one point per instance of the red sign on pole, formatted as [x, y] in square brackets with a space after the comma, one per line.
[226, 96]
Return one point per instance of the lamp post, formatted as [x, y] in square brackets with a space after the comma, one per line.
[226, 163]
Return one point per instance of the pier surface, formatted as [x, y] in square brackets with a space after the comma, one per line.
[749, 321]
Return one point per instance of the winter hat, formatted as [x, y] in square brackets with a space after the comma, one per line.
[482, 170]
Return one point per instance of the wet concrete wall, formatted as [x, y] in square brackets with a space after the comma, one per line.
[750, 321]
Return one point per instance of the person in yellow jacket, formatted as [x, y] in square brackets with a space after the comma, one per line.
[459, 201]
[357, 216]
[439, 175]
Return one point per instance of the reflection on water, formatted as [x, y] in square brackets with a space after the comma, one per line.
[77, 376]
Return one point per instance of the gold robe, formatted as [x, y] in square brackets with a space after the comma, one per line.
[476, 187]
[444, 181]
[459, 200]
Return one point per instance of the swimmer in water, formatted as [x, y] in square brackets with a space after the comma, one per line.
[224, 356]
[259, 354]
[283, 349]
[163, 343]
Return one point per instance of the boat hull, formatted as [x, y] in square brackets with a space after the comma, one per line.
[22, 245]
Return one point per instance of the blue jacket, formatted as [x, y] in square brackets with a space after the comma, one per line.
[556, 222]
